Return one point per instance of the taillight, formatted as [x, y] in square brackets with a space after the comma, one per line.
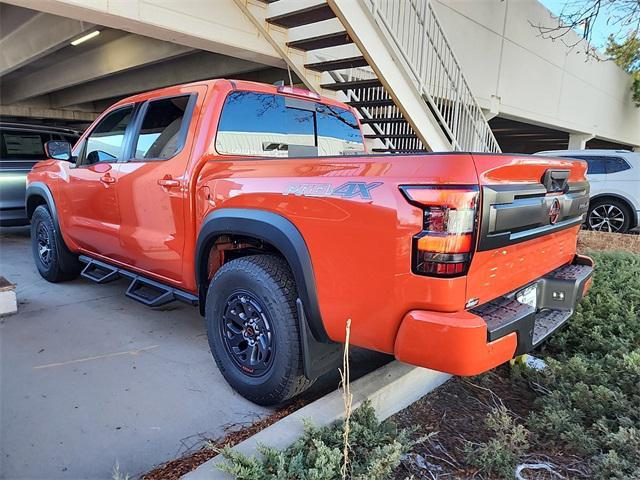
[445, 245]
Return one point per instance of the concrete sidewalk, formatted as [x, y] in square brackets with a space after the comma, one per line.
[89, 378]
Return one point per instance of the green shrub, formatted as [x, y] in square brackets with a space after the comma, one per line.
[591, 404]
[375, 451]
[501, 454]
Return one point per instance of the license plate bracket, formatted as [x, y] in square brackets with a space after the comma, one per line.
[528, 295]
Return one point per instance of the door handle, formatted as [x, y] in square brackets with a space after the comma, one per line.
[169, 182]
[108, 179]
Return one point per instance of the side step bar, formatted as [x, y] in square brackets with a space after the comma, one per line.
[144, 290]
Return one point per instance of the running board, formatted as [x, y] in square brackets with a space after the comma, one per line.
[99, 272]
[149, 292]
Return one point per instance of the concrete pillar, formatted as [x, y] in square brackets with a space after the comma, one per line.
[578, 141]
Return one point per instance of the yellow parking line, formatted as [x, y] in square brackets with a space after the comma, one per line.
[97, 357]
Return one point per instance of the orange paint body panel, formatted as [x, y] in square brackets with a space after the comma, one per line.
[146, 216]
[455, 343]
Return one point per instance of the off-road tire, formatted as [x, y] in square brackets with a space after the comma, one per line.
[617, 208]
[59, 264]
[268, 280]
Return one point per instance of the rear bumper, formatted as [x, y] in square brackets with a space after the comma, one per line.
[477, 340]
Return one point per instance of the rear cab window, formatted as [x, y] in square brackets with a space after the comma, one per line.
[272, 125]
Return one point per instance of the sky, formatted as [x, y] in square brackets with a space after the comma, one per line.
[601, 30]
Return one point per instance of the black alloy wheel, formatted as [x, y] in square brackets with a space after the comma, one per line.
[247, 333]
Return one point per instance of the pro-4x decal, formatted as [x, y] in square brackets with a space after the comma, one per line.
[346, 190]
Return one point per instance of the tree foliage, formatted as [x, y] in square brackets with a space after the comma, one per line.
[627, 55]
[623, 46]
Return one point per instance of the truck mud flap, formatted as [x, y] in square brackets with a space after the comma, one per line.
[318, 358]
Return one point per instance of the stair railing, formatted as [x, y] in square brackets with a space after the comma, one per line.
[414, 30]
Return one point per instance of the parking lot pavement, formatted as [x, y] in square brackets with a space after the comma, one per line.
[89, 378]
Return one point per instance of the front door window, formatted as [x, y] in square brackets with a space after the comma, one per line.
[106, 142]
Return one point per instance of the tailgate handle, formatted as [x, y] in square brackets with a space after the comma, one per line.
[556, 181]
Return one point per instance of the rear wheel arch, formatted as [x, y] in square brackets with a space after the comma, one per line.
[277, 235]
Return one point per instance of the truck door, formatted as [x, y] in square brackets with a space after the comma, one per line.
[91, 215]
[152, 188]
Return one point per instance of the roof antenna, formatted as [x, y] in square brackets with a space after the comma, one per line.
[290, 79]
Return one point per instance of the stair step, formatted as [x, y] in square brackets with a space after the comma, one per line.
[99, 272]
[338, 64]
[391, 135]
[372, 103]
[304, 16]
[321, 41]
[369, 121]
[342, 86]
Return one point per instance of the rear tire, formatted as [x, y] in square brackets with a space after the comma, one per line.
[54, 261]
[253, 329]
[609, 215]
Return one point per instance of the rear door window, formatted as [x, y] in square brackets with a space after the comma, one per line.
[163, 129]
[596, 165]
[258, 124]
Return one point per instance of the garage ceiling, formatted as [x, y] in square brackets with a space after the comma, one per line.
[46, 79]
[519, 137]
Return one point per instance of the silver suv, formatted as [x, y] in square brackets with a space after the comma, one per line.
[614, 176]
[21, 146]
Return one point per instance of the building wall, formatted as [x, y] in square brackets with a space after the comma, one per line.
[519, 75]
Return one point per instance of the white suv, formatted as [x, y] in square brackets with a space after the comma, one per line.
[614, 176]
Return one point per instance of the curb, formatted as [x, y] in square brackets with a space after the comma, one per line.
[390, 389]
[8, 299]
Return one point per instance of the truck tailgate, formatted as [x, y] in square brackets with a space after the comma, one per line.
[531, 210]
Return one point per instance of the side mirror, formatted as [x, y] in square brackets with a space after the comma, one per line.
[58, 150]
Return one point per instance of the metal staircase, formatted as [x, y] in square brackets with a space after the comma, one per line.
[391, 61]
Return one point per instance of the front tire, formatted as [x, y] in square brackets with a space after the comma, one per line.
[253, 329]
[609, 215]
[54, 261]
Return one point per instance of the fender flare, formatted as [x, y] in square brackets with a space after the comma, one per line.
[68, 260]
[39, 189]
[275, 230]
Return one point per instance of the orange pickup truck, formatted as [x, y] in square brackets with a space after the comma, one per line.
[261, 205]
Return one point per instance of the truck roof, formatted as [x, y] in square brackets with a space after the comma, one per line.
[233, 85]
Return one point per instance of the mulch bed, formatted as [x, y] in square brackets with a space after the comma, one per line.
[175, 469]
[599, 241]
[455, 412]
